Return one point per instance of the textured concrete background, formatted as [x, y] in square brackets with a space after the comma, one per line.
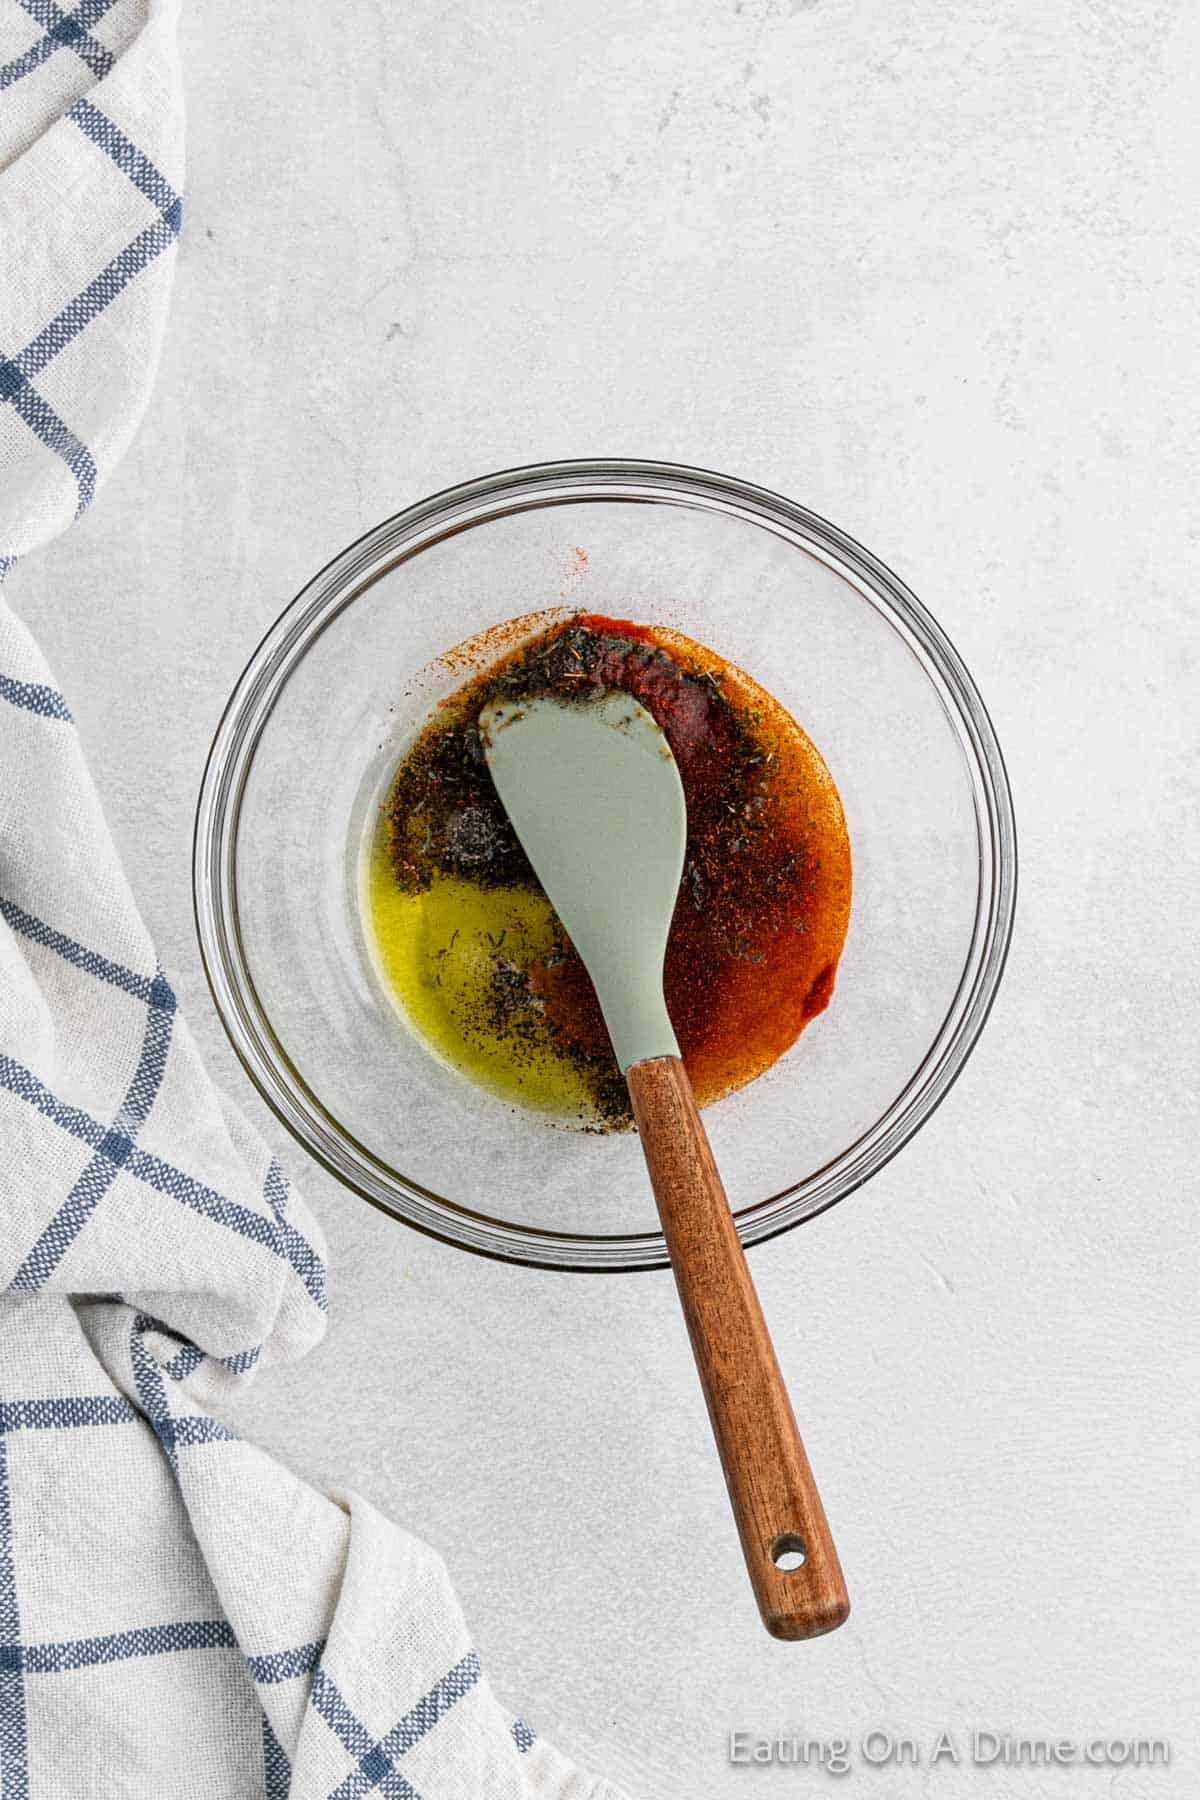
[930, 270]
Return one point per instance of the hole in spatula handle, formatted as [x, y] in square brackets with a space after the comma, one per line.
[789, 1552]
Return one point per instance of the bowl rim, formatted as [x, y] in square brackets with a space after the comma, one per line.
[398, 539]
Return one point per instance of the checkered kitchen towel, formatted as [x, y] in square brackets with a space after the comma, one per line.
[179, 1616]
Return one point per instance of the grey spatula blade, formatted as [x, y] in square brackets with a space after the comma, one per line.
[594, 795]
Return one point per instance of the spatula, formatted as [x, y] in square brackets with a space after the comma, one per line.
[594, 794]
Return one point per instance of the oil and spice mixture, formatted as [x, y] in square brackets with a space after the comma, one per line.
[471, 949]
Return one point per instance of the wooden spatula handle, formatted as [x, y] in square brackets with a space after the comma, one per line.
[771, 1487]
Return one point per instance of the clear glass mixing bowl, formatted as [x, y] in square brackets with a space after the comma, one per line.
[350, 670]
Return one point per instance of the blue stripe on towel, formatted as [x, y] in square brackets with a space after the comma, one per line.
[35, 697]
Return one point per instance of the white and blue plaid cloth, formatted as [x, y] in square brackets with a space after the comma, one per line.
[179, 1616]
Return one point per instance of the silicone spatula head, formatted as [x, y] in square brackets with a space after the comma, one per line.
[594, 795]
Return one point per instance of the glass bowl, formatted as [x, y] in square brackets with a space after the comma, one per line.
[350, 671]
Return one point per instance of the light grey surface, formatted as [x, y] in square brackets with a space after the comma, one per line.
[929, 270]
